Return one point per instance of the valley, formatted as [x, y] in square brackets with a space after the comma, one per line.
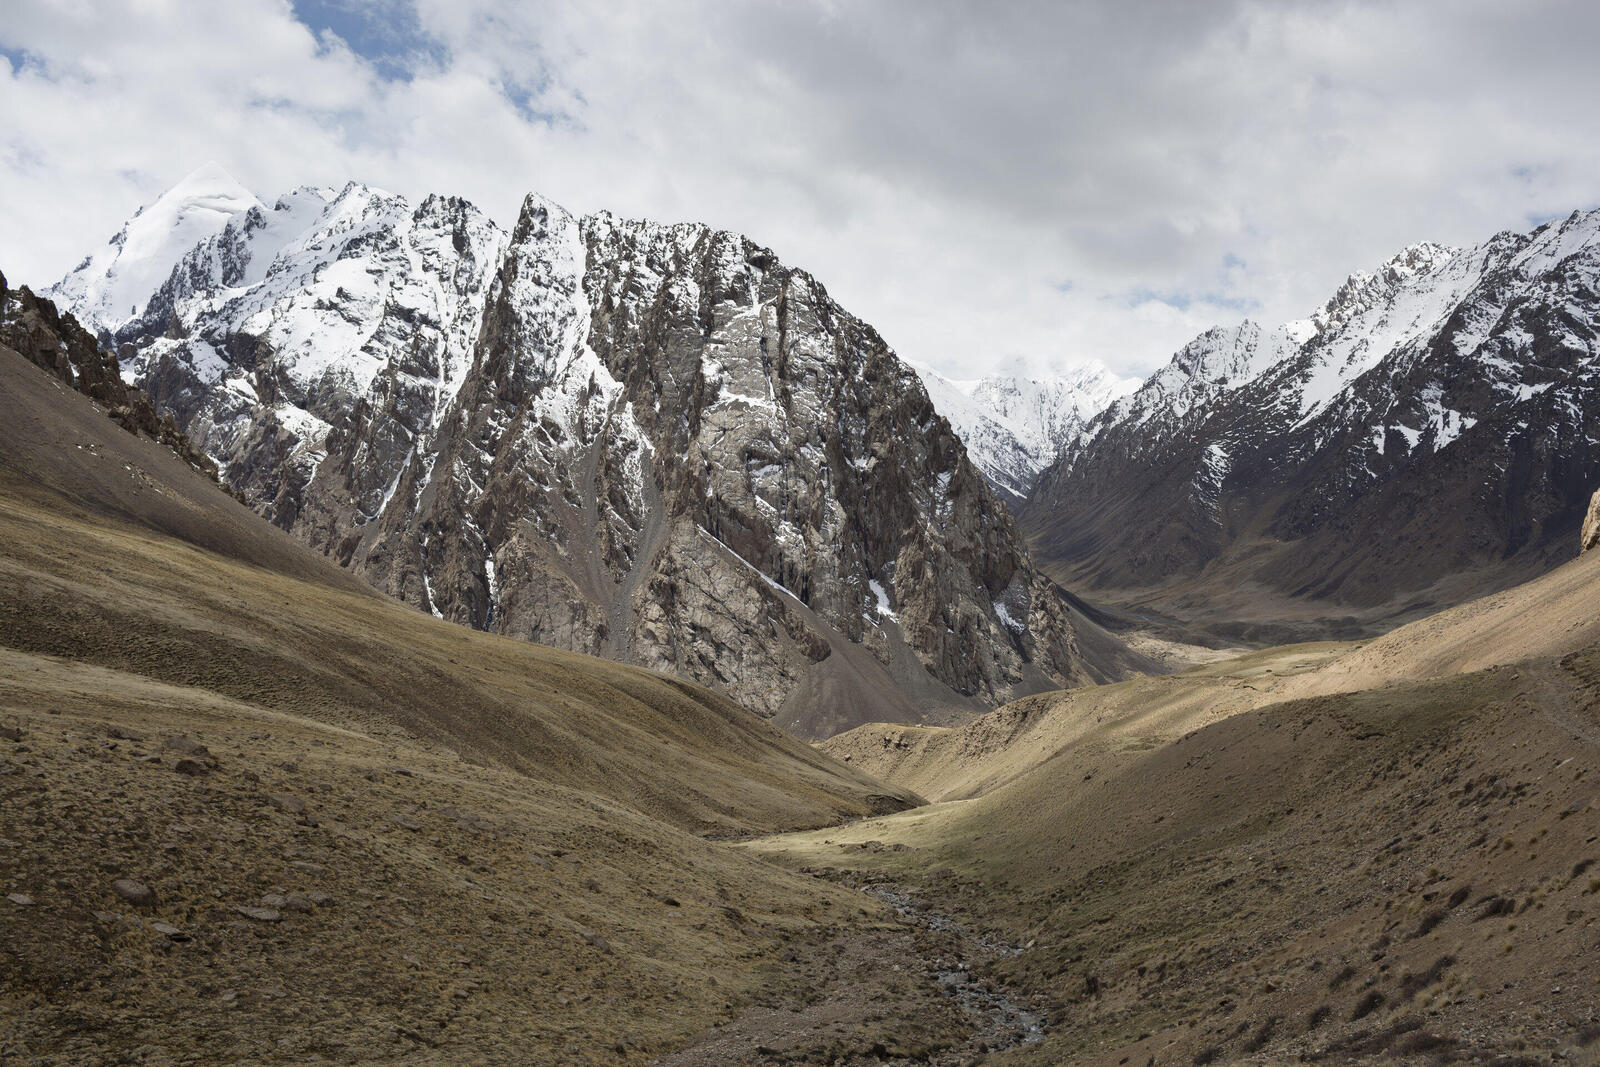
[588, 643]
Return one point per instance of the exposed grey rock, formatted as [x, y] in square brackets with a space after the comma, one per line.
[186, 746]
[264, 915]
[297, 901]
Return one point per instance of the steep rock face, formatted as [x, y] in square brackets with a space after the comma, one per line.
[1433, 424]
[655, 443]
[1014, 427]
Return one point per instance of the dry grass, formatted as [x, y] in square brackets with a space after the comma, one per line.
[490, 852]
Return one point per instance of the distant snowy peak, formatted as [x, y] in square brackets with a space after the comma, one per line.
[1014, 426]
[1451, 392]
[1222, 359]
[113, 285]
[1310, 360]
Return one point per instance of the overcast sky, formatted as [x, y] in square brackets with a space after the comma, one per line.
[986, 183]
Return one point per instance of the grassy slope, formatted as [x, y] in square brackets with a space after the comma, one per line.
[1210, 872]
[511, 837]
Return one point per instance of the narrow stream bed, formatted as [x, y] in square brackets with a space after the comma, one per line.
[1001, 1022]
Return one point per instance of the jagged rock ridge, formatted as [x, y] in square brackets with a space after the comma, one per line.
[1428, 434]
[656, 443]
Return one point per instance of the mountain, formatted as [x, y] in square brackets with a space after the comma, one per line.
[258, 812]
[1426, 435]
[35, 329]
[1015, 426]
[111, 286]
[651, 442]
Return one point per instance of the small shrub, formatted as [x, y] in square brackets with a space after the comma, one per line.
[1459, 897]
[1318, 1017]
[1209, 1054]
[1429, 921]
[1344, 975]
[1259, 1039]
[1411, 985]
[1426, 1042]
[1496, 905]
[1367, 1005]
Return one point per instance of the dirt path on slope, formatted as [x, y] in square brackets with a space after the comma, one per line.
[914, 990]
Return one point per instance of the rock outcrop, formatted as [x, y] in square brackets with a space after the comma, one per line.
[654, 443]
[34, 328]
[1590, 536]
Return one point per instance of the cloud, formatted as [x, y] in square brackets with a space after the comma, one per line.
[943, 167]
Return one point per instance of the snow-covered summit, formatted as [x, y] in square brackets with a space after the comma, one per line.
[113, 285]
[1014, 426]
[1441, 406]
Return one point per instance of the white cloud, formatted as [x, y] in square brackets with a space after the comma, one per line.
[981, 182]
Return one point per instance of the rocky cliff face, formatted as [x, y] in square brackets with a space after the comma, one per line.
[655, 443]
[1427, 434]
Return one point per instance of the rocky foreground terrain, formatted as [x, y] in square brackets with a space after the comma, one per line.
[655, 443]
[1426, 436]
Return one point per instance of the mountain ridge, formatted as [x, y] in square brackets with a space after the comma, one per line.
[1422, 438]
[653, 442]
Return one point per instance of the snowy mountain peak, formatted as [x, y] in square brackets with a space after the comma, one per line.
[1014, 426]
[650, 440]
[113, 285]
[1365, 290]
[1440, 378]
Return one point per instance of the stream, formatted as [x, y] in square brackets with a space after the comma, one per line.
[1001, 1022]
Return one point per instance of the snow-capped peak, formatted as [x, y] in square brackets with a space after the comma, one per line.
[113, 285]
[1016, 425]
[1364, 290]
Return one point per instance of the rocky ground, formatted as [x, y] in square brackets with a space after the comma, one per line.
[920, 990]
[187, 885]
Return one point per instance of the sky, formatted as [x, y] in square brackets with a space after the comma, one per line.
[1026, 186]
